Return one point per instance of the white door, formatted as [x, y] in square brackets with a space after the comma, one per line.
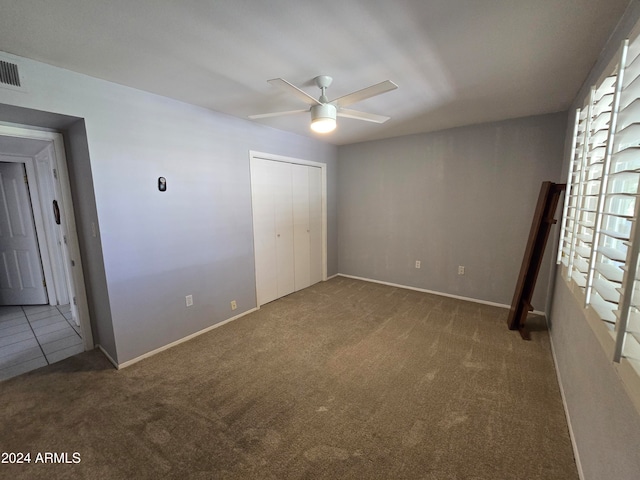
[272, 229]
[307, 224]
[21, 278]
[287, 225]
[315, 225]
[264, 231]
[281, 174]
[301, 228]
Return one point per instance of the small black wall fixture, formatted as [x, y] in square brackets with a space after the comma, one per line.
[162, 184]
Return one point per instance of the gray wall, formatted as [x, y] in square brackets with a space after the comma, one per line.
[463, 196]
[196, 238]
[84, 202]
[605, 423]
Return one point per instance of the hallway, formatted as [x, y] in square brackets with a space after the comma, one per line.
[34, 336]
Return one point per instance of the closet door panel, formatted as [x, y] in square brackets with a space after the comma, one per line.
[264, 230]
[302, 246]
[287, 219]
[284, 228]
[315, 224]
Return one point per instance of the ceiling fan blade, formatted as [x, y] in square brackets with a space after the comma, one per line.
[288, 87]
[276, 114]
[367, 117]
[365, 93]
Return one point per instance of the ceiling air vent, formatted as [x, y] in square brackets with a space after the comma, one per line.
[9, 74]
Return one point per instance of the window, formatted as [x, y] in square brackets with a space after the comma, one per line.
[600, 239]
[623, 188]
[568, 240]
[610, 229]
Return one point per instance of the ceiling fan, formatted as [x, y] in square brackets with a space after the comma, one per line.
[323, 111]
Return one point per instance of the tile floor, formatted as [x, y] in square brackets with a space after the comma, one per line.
[35, 336]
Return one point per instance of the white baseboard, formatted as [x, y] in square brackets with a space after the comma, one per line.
[115, 364]
[407, 287]
[205, 330]
[576, 453]
[177, 342]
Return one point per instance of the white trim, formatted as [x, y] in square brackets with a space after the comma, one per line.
[574, 445]
[62, 189]
[323, 169]
[177, 342]
[333, 276]
[113, 362]
[458, 297]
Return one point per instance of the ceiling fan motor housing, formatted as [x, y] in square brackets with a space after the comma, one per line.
[326, 110]
[323, 118]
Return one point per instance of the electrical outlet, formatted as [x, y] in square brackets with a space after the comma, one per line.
[460, 270]
[189, 300]
[417, 263]
[234, 305]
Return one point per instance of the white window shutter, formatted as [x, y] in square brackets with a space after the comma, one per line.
[570, 195]
[625, 179]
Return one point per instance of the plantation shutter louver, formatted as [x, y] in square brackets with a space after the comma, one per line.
[567, 224]
[624, 186]
[610, 231]
[578, 206]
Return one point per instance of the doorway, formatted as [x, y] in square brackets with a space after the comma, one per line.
[43, 307]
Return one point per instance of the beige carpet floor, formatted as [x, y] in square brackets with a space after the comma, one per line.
[343, 380]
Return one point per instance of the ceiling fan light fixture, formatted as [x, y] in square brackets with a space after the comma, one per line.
[323, 118]
[324, 111]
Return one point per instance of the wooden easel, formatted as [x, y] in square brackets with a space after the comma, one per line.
[542, 222]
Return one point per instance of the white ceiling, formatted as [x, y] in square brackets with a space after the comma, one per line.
[456, 62]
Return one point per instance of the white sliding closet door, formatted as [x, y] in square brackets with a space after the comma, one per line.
[264, 230]
[281, 174]
[301, 227]
[287, 220]
[315, 224]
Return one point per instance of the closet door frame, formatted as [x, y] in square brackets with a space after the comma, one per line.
[323, 169]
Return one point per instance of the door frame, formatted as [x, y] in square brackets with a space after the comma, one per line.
[323, 191]
[62, 190]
